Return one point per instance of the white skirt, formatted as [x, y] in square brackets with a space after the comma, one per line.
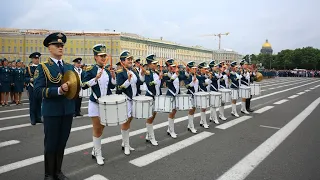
[93, 109]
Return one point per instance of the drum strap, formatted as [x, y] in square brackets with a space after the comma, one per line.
[150, 92]
[235, 85]
[190, 92]
[244, 82]
[174, 94]
[213, 87]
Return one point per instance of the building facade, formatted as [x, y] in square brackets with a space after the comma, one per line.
[19, 44]
[266, 48]
[227, 55]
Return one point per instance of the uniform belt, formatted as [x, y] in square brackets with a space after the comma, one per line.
[174, 94]
[213, 87]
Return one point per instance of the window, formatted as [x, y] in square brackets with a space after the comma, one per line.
[40, 49]
[65, 50]
[20, 41]
[36, 41]
[15, 41]
[117, 44]
[71, 50]
[27, 49]
[86, 51]
[108, 51]
[15, 49]
[2, 40]
[36, 48]
[45, 50]
[31, 41]
[116, 51]
[71, 42]
[9, 49]
[8, 40]
[77, 50]
[20, 49]
[2, 48]
[31, 49]
[27, 41]
[81, 50]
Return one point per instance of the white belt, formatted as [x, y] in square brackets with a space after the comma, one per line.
[213, 87]
[174, 94]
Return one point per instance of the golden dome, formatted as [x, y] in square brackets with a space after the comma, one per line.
[266, 44]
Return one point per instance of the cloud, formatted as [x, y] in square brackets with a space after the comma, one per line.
[286, 23]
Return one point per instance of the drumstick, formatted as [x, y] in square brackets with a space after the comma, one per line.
[184, 63]
[160, 65]
[125, 68]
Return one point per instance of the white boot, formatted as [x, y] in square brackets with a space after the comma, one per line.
[96, 152]
[125, 139]
[191, 125]
[203, 121]
[213, 113]
[221, 113]
[243, 108]
[234, 110]
[122, 144]
[150, 135]
[170, 130]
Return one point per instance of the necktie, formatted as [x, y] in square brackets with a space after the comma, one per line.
[61, 67]
[79, 70]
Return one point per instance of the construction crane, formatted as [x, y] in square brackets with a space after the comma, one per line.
[219, 35]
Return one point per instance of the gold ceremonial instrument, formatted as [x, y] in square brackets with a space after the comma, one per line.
[259, 77]
[73, 81]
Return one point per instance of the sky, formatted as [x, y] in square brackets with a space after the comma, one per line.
[287, 24]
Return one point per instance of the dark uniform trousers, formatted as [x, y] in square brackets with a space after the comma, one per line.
[57, 113]
[78, 102]
[35, 106]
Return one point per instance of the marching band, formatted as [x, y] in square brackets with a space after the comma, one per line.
[208, 87]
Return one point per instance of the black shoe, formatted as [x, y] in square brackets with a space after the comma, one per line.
[39, 121]
[46, 177]
[61, 176]
[79, 114]
[250, 110]
[33, 124]
[74, 115]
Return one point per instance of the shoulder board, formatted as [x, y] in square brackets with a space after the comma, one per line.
[147, 72]
[88, 68]
[119, 70]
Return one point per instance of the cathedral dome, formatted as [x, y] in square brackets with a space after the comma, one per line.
[266, 44]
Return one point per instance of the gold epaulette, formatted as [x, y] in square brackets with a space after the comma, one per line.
[147, 72]
[48, 75]
[119, 70]
[88, 68]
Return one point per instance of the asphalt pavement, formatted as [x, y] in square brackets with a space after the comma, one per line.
[279, 141]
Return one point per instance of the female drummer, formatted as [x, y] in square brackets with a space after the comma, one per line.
[204, 84]
[153, 83]
[173, 90]
[101, 82]
[128, 79]
[192, 84]
[235, 83]
[223, 84]
[214, 87]
[245, 81]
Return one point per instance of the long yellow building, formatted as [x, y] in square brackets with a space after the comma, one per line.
[20, 43]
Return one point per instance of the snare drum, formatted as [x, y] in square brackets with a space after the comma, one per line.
[255, 89]
[184, 102]
[225, 95]
[142, 107]
[234, 94]
[164, 103]
[113, 110]
[245, 92]
[202, 100]
[215, 99]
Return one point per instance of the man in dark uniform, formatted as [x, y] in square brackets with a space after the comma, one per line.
[34, 102]
[78, 101]
[57, 110]
[138, 70]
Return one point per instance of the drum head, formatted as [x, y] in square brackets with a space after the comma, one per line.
[215, 93]
[224, 90]
[112, 99]
[201, 93]
[142, 98]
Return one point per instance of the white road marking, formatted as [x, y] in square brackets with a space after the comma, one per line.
[81, 128]
[15, 127]
[281, 101]
[293, 96]
[307, 90]
[264, 109]
[300, 93]
[21, 109]
[233, 122]
[37, 159]
[8, 143]
[271, 127]
[271, 88]
[161, 153]
[14, 117]
[312, 88]
[96, 177]
[246, 165]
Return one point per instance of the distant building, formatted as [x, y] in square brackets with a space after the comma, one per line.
[20, 43]
[266, 48]
[226, 55]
